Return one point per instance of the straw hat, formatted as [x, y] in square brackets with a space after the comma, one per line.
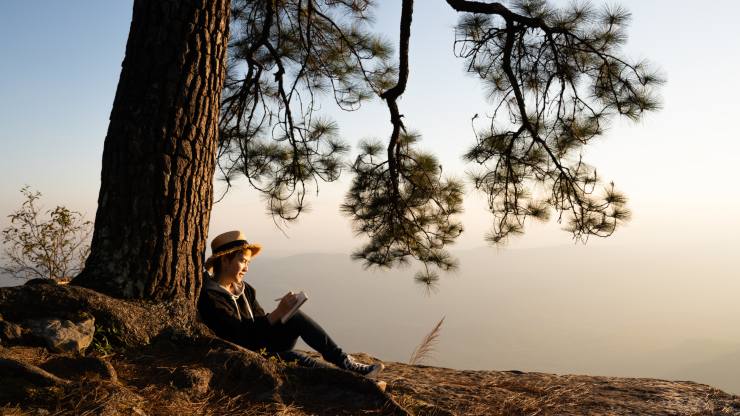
[230, 242]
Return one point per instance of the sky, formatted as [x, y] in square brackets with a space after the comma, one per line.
[61, 61]
[59, 67]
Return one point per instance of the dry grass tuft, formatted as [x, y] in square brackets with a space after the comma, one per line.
[26, 354]
[95, 397]
[92, 396]
[532, 397]
[421, 408]
[426, 348]
[13, 411]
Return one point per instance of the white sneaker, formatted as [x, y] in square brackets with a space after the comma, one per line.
[367, 370]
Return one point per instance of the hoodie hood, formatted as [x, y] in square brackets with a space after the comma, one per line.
[212, 285]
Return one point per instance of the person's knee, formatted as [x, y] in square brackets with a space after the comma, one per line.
[298, 320]
[302, 316]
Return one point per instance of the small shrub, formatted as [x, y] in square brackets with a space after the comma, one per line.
[54, 248]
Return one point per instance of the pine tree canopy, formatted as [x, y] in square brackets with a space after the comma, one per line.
[555, 77]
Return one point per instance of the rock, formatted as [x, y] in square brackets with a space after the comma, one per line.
[197, 379]
[61, 335]
[10, 333]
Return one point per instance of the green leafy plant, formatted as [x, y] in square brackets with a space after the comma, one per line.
[55, 247]
[104, 339]
[275, 358]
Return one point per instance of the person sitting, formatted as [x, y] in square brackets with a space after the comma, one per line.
[228, 306]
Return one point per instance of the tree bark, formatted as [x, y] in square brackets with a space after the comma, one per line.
[160, 153]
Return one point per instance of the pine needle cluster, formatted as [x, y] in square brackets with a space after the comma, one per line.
[418, 222]
[555, 77]
[283, 56]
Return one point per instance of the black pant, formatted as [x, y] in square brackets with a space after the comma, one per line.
[283, 337]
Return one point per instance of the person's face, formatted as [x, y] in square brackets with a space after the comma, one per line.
[238, 266]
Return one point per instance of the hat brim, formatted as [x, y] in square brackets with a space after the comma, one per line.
[254, 249]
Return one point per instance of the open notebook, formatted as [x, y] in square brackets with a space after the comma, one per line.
[301, 298]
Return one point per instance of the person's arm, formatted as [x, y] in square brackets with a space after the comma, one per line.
[285, 305]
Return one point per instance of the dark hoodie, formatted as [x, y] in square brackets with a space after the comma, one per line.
[237, 318]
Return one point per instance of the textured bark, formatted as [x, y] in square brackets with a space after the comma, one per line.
[160, 152]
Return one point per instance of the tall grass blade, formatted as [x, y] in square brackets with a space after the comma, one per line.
[426, 348]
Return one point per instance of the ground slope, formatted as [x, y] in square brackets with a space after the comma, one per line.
[519, 393]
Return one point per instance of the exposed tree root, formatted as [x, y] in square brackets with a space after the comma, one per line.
[156, 334]
[30, 373]
[78, 367]
[132, 323]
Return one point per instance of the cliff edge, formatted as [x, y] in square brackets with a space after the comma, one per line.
[464, 392]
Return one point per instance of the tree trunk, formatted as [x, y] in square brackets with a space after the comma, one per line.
[160, 153]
